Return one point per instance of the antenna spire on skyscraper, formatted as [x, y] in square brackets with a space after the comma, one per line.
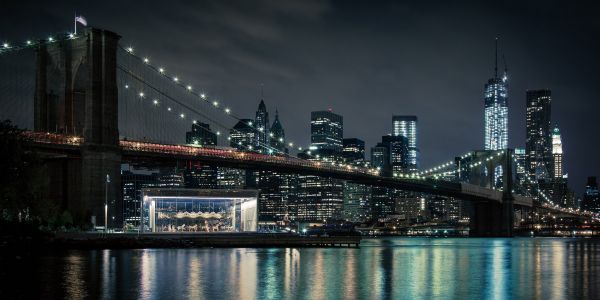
[262, 92]
[496, 60]
[505, 76]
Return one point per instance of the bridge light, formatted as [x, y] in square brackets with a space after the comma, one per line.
[194, 122]
[218, 133]
[227, 110]
[270, 134]
[51, 39]
[155, 102]
[281, 139]
[229, 138]
[71, 35]
[168, 108]
[189, 87]
[299, 148]
[161, 70]
[5, 45]
[261, 129]
[175, 79]
[182, 116]
[291, 144]
[130, 49]
[146, 60]
[126, 86]
[250, 123]
[28, 42]
[215, 103]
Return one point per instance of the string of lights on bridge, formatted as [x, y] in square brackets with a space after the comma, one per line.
[175, 79]
[6, 46]
[212, 101]
[432, 172]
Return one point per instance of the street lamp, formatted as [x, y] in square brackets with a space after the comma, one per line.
[106, 203]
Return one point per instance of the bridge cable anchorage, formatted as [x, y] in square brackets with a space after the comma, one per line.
[175, 80]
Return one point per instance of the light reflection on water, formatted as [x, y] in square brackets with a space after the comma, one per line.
[381, 268]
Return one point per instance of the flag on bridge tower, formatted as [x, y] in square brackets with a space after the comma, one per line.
[81, 20]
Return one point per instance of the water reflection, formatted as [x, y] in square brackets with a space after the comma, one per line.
[382, 268]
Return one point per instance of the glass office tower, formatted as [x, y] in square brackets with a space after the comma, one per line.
[406, 126]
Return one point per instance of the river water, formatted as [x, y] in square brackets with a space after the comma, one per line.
[384, 268]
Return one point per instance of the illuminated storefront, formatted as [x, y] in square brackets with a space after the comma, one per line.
[199, 211]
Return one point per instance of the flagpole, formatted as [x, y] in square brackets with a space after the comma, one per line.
[75, 21]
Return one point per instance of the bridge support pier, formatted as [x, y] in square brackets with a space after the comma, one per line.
[489, 219]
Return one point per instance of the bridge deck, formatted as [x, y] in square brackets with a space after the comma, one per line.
[230, 157]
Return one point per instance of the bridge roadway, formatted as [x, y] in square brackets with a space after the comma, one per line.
[139, 151]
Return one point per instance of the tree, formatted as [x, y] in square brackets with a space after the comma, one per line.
[23, 179]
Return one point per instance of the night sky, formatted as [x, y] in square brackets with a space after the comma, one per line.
[366, 60]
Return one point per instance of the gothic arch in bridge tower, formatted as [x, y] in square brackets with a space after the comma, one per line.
[78, 95]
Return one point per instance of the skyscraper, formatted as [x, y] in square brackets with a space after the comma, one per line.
[538, 145]
[356, 196]
[277, 191]
[133, 183]
[591, 198]
[242, 135]
[380, 156]
[406, 126]
[262, 125]
[520, 172]
[326, 131]
[200, 135]
[557, 154]
[496, 110]
[322, 198]
[197, 175]
[399, 155]
[354, 151]
[277, 135]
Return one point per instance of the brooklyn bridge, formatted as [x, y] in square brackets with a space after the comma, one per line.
[90, 104]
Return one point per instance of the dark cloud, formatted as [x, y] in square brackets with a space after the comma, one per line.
[366, 60]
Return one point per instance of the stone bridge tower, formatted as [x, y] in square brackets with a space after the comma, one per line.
[76, 93]
[496, 172]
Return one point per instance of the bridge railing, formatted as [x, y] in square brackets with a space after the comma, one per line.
[231, 153]
[53, 138]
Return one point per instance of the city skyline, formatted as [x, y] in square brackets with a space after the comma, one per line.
[299, 149]
[401, 85]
